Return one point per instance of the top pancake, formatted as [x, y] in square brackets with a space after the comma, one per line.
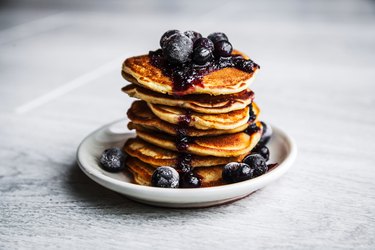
[221, 82]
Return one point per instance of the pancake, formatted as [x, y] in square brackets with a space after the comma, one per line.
[221, 82]
[225, 121]
[142, 173]
[142, 117]
[202, 103]
[221, 146]
[157, 156]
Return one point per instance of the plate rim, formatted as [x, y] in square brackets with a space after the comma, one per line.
[99, 177]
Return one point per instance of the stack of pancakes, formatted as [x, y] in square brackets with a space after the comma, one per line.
[212, 124]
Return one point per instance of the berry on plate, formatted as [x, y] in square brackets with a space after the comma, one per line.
[236, 172]
[113, 160]
[256, 162]
[166, 177]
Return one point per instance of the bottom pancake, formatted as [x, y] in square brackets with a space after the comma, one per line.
[142, 173]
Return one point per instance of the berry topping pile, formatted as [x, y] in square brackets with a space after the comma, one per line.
[191, 47]
[187, 56]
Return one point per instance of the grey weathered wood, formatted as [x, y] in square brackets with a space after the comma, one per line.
[317, 82]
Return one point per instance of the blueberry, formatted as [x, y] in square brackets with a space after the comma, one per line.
[193, 35]
[266, 134]
[217, 37]
[204, 43]
[223, 48]
[263, 151]
[166, 177]
[236, 172]
[166, 36]
[256, 162]
[190, 180]
[202, 55]
[178, 49]
[113, 160]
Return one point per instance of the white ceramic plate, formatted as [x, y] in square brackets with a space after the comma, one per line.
[282, 150]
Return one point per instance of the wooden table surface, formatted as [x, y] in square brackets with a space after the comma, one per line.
[60, 79]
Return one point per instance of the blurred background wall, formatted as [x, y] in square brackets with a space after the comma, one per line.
[60, 60]
[300, 45]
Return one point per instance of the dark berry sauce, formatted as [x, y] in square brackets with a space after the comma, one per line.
[252, 115]
[182, 143]
[184, 120]
[182, 140]
[272, 166]
[188, 75]
[183, 163]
